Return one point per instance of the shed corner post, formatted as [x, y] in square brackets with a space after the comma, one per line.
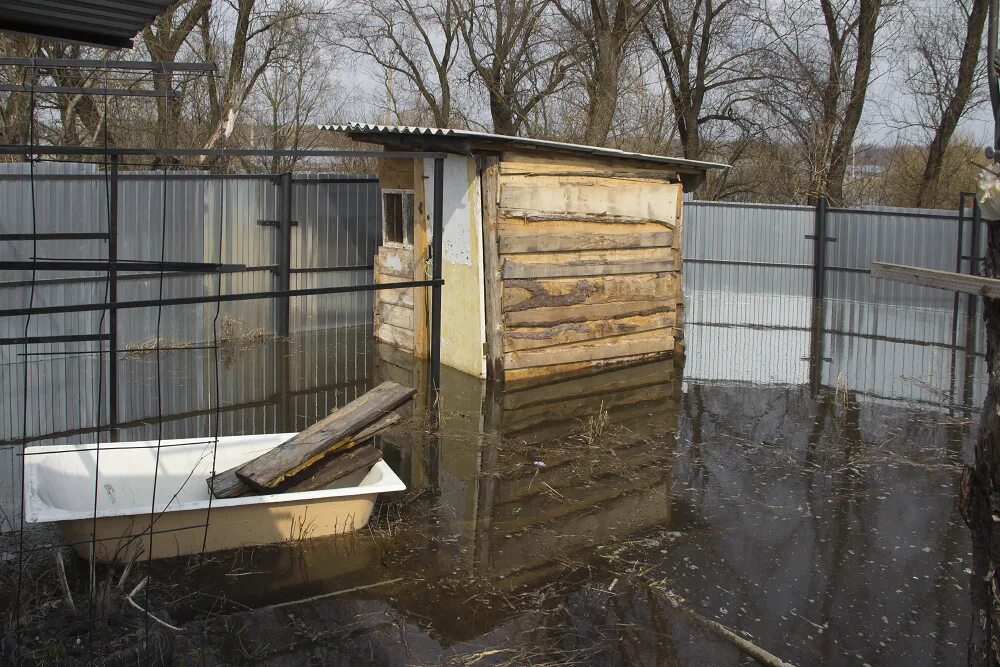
[489, 192]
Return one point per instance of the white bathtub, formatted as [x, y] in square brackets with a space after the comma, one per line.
[60, 487]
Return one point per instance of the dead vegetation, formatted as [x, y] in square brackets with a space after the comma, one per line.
[150, 346]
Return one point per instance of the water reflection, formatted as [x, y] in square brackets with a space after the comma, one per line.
[802, 494]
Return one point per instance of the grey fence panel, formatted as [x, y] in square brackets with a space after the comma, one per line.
[198, 218]
[753, 248]
[918, 237]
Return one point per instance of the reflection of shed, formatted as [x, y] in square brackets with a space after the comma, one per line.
[556, 257]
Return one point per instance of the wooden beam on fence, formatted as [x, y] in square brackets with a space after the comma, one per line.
[946, 280]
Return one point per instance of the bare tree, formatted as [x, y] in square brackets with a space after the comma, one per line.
[944, 79]
[513, 50]
[293, 95]
[819, 80]
[604, 30]
[249, 53]
[164, 39]
[707, 53]
[15, 108]
[418, 40]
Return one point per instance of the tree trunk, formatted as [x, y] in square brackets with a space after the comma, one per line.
[980, 490]
[927, 192]
[602, 91]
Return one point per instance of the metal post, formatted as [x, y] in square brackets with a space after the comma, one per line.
[113, 298]
[438, 232]
[284, 259]
[958, 269]
[819, 250]
[816, 348]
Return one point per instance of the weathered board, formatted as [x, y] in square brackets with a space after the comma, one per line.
[396, 315]
[645, 342]
[539, 375]
[284, 462]
[544, 317]
[531, 216]
[395, 262]
[524, 338]
[538, 161]
[333, 468]
[395, 173]
[552, 241]
[946, 280]
[492, 279]
[528, 294]
[652, 201]
[396, 336]
[580, 267]
[227, 484]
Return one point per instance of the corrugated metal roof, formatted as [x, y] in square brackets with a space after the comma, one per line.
[108, 23]
[445, 133]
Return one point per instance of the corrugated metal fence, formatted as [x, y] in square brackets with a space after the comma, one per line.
[333, 244]
[750, 273]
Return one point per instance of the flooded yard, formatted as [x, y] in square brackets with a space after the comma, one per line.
[602, 519]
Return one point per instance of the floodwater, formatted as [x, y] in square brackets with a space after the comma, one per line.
[596, 520]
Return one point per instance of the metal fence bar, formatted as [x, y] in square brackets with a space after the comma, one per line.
[438, 233]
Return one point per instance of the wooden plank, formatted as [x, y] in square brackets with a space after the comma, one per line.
[528, 294]
[526, 338]
[532, 170]
[553, 242]
[227, 484]
[419, 298]
[396, 336]
[395, 261]
[397, 316]
[396, 173]
[396, 297]
[519, 269]
[337, 467]
[547, 317]
[492, 281]
[946, 280]
[652, 201]
[546, 161]
[281, 464]
[656, 341]
[532, 215]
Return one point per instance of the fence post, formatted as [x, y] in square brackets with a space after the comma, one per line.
[438, 231]
[816, 351]
[284, 251]
[113, 298]
[819, 250]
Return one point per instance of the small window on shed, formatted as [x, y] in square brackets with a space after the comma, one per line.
[397, 216]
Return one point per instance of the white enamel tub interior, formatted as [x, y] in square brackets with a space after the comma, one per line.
[60, 484]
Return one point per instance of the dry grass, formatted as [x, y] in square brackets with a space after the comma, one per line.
[144, 348]
[234, 336]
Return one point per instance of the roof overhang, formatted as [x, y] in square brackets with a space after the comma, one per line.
[104, 23]
[466, 142]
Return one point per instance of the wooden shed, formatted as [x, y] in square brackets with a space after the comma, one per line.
[557, 257]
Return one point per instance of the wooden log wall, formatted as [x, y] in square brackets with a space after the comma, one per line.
[589, 268]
